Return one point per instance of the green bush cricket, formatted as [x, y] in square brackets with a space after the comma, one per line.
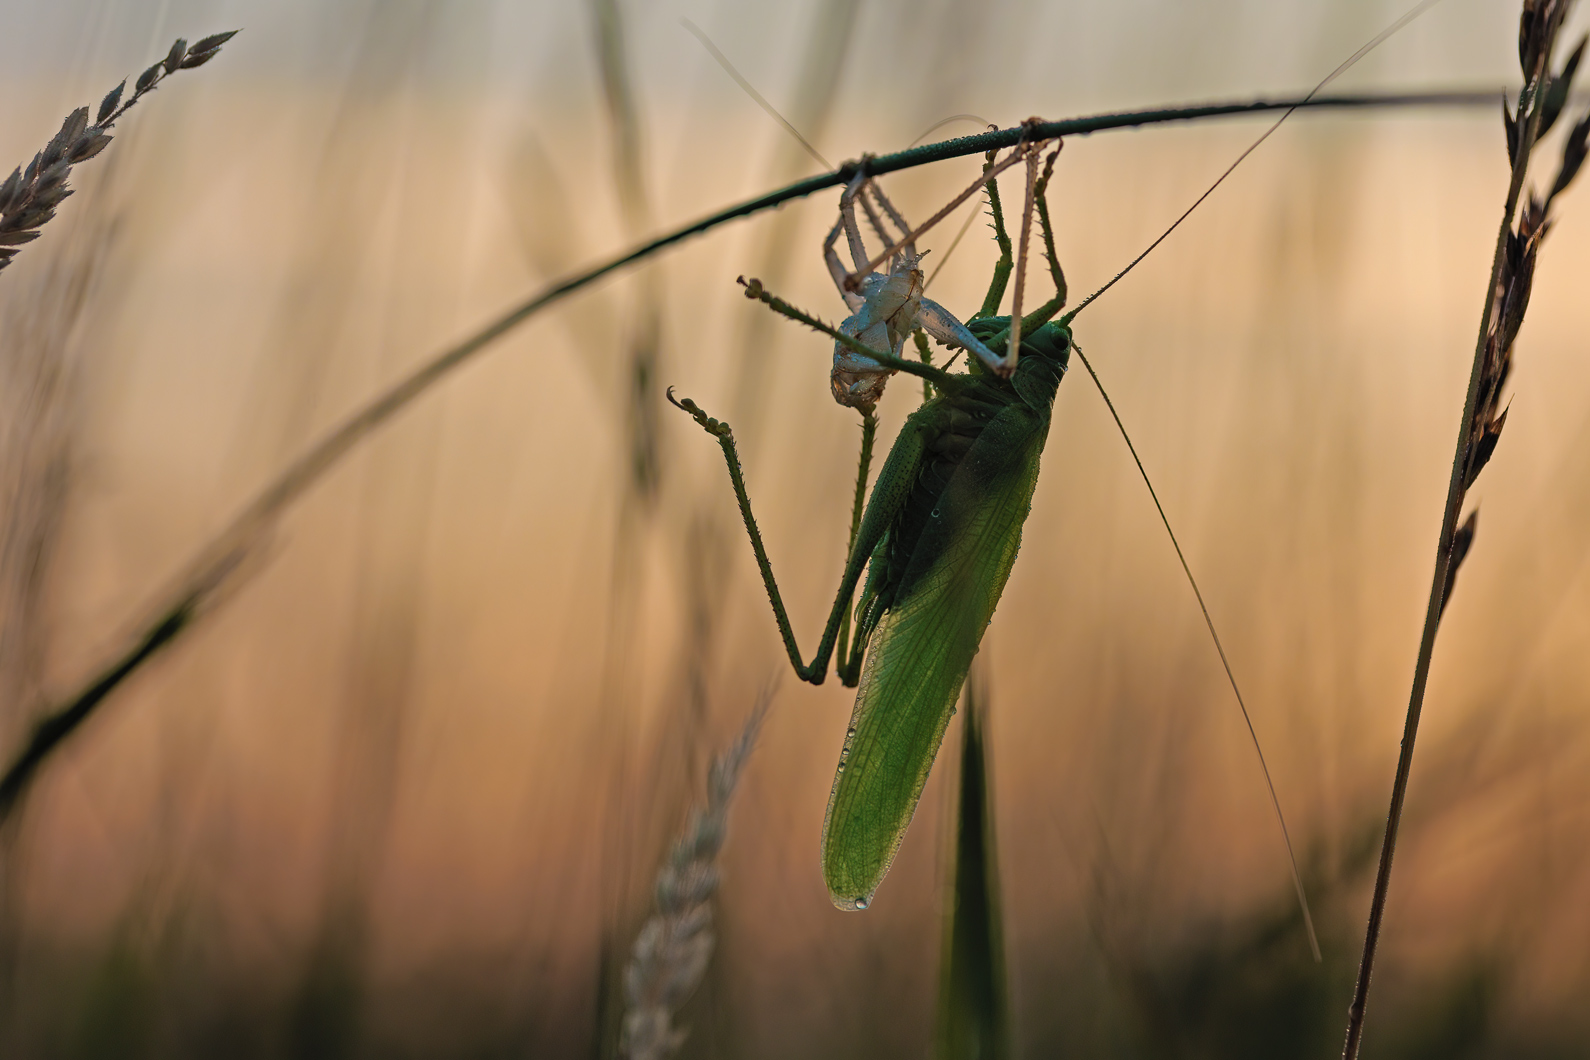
[940, 532]
[937, 539]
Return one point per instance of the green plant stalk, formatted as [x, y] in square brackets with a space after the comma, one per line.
[1443, 561]
[216, 561]
[974, 999]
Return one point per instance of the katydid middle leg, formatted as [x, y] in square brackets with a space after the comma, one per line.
[869, 432]
[1002, 267]
[1055, 271]
[1044, 313]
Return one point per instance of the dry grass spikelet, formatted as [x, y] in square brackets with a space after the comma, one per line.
[29, 197]
[674, 946]
[1525, 224]
[1516, 273]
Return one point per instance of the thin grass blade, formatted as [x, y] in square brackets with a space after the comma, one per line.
[973, 1018]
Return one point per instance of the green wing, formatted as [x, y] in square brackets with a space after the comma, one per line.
[922, 649]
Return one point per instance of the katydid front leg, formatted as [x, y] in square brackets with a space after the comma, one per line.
[1002, 267]
[1055, 271]
[893, 486]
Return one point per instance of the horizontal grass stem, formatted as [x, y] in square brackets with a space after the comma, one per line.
[196, 583]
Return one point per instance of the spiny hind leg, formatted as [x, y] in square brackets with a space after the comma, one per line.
[847, 661]
[1042, 194]
[725, 436]
[925, 352]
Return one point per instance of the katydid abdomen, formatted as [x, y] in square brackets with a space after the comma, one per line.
[936, 579]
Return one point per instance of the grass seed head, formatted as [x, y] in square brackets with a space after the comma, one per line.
[30, 197]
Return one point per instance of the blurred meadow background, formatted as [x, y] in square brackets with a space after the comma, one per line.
[404, 794]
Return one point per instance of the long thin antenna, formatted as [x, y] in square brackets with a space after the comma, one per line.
[960, 235]
[1347, 64]
[1275, 800]
[1264, 766]
[729, 69]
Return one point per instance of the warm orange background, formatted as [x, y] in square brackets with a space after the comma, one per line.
[432, 751]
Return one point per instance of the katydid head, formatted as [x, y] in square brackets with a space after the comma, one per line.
[1051, 342]
[1048, 344]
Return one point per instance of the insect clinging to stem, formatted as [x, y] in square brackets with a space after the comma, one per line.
[937, 539]
[939, 533]
[938, 536]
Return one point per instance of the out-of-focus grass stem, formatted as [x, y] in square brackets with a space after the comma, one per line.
[974, 998]
[1506, 295]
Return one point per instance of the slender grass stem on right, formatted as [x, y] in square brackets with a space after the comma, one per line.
[1507, 296]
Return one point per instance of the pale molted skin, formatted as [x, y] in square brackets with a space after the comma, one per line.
[885, 308]
[886, 315]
